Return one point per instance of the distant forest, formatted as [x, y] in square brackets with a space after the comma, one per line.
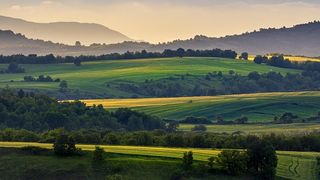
[51, 59]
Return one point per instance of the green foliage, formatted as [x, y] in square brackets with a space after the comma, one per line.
[233, 161]
[262, 158]
[65, 146]
[200, 128]
[187, 160]
[98, 154]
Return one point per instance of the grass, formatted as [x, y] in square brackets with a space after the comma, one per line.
[297, 128]
[93, 77]
[291, 165]
[260, 107]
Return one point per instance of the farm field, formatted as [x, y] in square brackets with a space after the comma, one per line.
[292, 165]
[293, 58]
[260, 107]
[296, 128]
[97, 77]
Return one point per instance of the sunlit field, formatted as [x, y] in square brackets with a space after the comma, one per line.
[260, 107]
[98, 77]
[292, 165]
[294, 58]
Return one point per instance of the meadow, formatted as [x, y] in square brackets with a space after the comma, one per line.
[259, 129]
[293, 58]
[259, 107]
[97, 77]
[291, 165]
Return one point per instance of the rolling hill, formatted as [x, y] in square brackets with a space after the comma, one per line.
[301, 39]
[260, 107]
[101, 78]
[63, 32]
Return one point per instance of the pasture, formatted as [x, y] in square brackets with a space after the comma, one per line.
[97, 77]
[259, 107]
[291, 165]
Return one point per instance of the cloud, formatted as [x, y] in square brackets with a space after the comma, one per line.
[47, 2]
[15, 7]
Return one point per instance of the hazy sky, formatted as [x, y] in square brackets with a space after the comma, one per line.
[164, 20]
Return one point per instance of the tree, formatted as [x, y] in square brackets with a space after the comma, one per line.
[242, 120]
[259, 59]
[21, 93]
[180, 52]
[64, 146]
[262, 158]
[63, 85]
[98, 154]
[211, 162]
[244, 56]
[233, 161]
[14, 68]
[77, 62]
[187, 160]
[78, 43]
[172, 126]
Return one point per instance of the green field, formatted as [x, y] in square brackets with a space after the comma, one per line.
[292, 165]
[260, 107]
[93, 77]
[296, 128]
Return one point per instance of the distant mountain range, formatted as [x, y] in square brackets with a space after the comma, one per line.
[63, 32]
[303, 39]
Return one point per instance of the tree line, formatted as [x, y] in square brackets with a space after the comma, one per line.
[51, 59]
[165, 138]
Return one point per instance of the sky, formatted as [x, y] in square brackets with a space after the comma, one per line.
[165, 20]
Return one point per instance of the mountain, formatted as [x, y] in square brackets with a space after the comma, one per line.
[303, 39]
[63, 32]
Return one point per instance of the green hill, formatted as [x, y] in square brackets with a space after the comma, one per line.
[97, 78]
[260, 107]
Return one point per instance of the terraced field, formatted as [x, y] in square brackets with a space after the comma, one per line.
[260, 107]
[292, 165]
[98, 77]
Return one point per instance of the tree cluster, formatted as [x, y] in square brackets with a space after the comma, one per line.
[40, 113]
[13, 68]
[41, 78]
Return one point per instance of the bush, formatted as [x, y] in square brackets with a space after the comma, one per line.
[65, 146]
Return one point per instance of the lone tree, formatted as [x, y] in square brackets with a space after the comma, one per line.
[187, 160]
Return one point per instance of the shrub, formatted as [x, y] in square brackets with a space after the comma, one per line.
[98, 154]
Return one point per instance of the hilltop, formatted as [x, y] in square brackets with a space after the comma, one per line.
[301, 39]
[64, 32]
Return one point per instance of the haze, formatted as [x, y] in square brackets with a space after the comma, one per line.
[154, 21]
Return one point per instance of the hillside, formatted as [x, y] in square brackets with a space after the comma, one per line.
[297, 40]
[301, 39]
[110, 78]
[63, 32]
[260, 107]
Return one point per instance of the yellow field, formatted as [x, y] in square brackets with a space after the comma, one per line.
[148, 102]
[293, 58]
